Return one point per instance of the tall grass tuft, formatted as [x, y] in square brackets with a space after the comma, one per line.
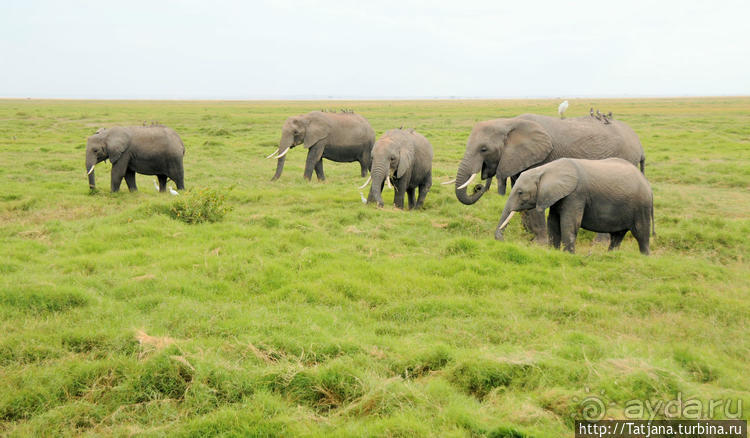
[198, 206]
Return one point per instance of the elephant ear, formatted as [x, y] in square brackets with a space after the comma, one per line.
[117, 142]
[405, 160]
[315, 131]
[526, 144]
[557, 180]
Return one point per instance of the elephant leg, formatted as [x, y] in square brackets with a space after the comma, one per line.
[534, 222]
[130, 180]
[399, 192]
[615, 239]
[162, 183]
[553, 228]
[602, 238]
[423, 190]
[118, 173]
[319, 171]
[410, 194]
[642, 232]
[571, 215]
[363, 168]
[314, 155]
[178, 176]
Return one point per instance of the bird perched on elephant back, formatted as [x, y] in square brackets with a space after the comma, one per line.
[342, 137]
[606, 196]
[148, 150]
[404, 157]
[503, 148]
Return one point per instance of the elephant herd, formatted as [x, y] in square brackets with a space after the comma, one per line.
[584, 171]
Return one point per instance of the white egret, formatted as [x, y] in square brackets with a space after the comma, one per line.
[561, 109]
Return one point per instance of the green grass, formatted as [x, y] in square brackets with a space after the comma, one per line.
[303, 312]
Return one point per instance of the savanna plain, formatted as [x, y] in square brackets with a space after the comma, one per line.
[307, 313]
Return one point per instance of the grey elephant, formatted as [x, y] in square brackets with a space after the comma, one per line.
[605, 196]
[504, 148]
[342, 137]
[403, 157]
[153, 150]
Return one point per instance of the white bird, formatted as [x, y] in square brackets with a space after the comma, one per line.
[173, 191]
[561, 109]
[156, 185]
[362, 197]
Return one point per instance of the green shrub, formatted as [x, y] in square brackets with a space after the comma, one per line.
[203, 205]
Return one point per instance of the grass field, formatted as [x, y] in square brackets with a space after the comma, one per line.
[306, 313]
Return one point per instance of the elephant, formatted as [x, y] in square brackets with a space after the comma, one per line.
[152, 150]
[342, 137]
[404, 157]
[605, 196]
[504, 148]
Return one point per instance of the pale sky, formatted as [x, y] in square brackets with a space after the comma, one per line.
[214, 49]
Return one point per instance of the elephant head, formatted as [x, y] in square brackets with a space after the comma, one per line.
[298, 130]
[539, 188]
[501, 148]
[105, 143]
[390, 156]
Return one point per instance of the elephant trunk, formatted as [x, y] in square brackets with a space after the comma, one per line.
[465, 171]
[508, 213]
[279, 168]
[90, 163]
[287, 140]
[379, 174]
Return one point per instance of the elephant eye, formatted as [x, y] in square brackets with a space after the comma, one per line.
[484, 149]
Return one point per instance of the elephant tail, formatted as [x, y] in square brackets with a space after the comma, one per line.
[643, 164]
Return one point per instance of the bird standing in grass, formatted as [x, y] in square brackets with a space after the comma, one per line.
[156, 185]
[561, 109]
[173, 191]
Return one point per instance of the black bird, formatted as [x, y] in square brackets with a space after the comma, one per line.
[598, 115]
[606, 120]
[609, 114]
[591, 111]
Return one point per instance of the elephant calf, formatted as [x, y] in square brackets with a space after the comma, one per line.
[153, 150]
[605, 196]
[404, 157]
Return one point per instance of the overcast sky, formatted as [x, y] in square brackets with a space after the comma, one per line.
[214, 49]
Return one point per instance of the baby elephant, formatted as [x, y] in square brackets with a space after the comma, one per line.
[404, 157]
[152, 150]
[606, 196]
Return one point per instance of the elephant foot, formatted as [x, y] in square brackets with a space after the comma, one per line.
[541, 240]
[499, 235]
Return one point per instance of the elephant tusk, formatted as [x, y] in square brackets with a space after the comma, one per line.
[274, 153]
[366, 182]
[505, 223]
[91, 170]
[467, 182]
[388, 180]
[448, 182]
[283, 153]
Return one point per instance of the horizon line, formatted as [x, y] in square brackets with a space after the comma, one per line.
[371, 98]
